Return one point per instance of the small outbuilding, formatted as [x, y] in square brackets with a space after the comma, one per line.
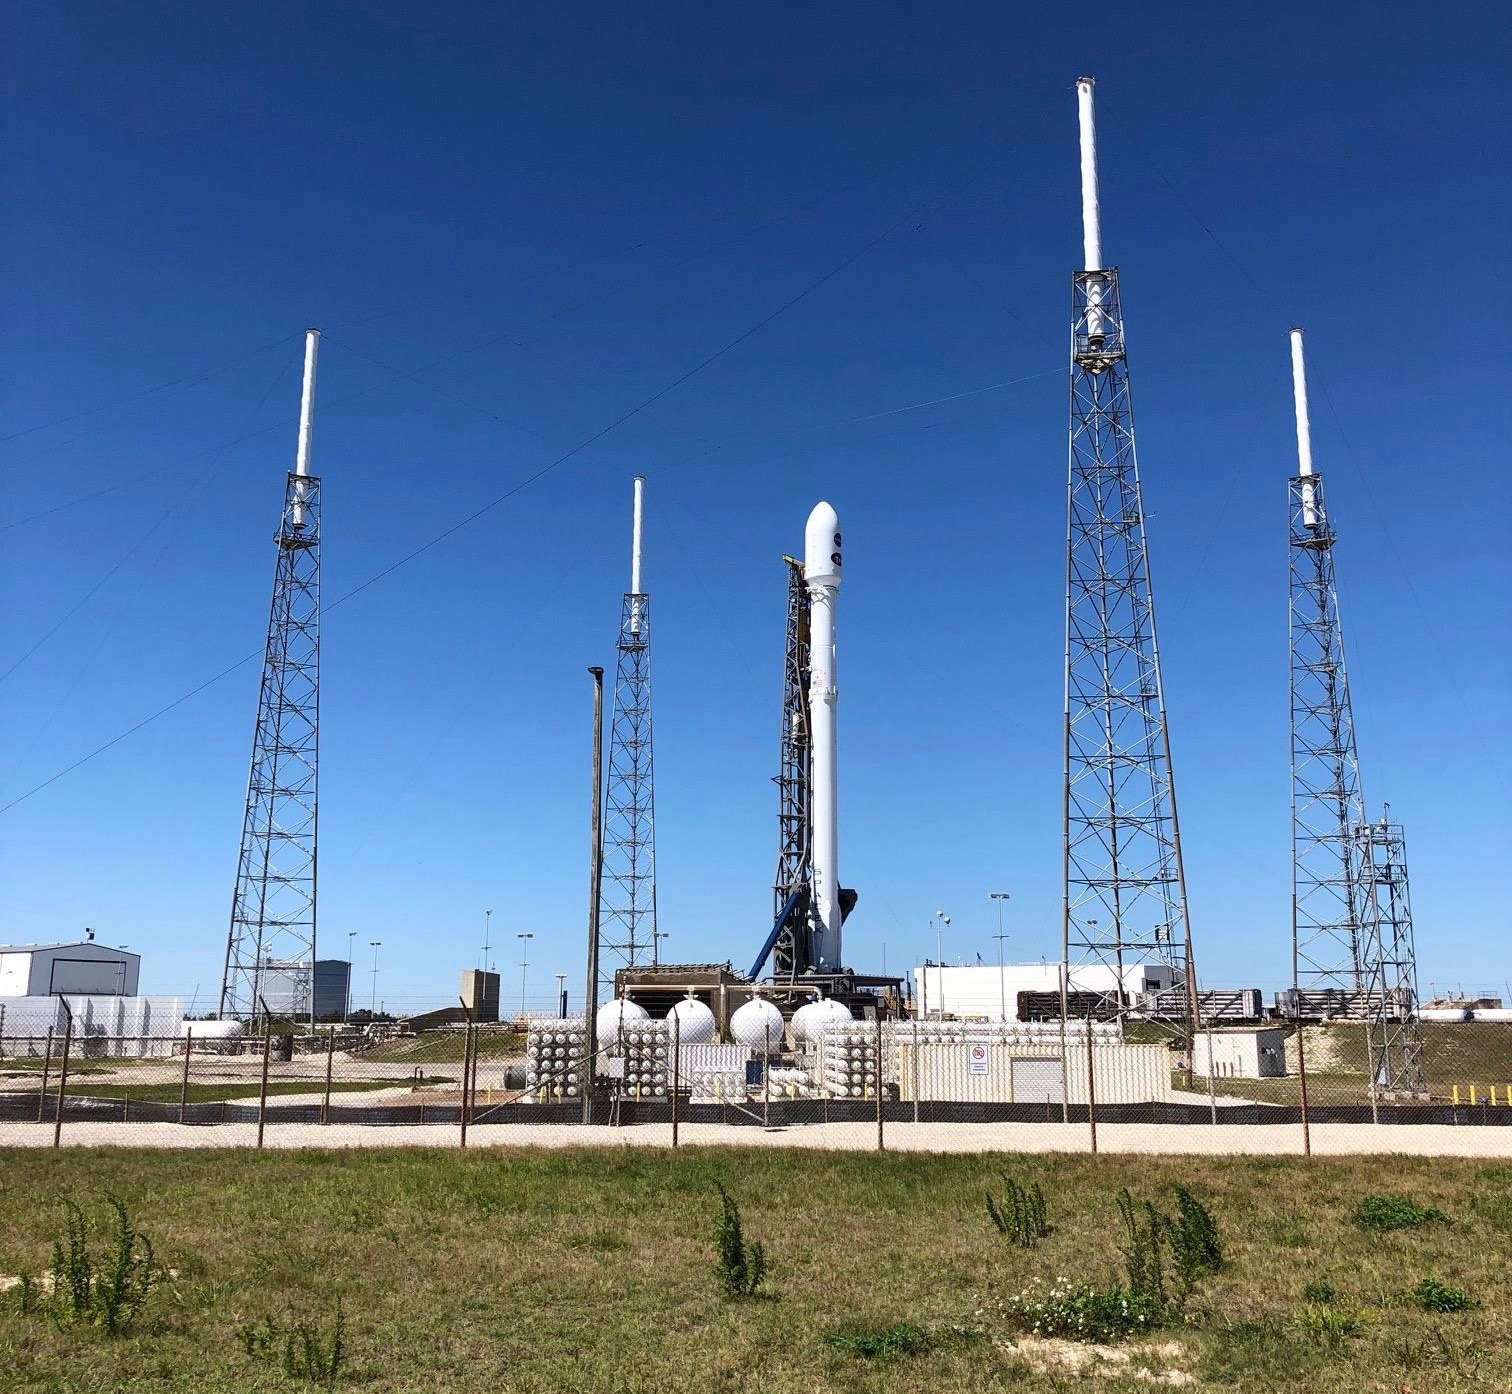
[1249, 1054]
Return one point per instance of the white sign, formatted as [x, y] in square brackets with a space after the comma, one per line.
[976, 1058]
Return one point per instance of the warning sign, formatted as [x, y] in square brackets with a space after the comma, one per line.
[976, 1058]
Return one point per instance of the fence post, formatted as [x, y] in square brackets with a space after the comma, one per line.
[46, 1070]
[916, 1068]
[880, 1145]
[325, 1103]
[184, 1087]
[676, 1070]
[63, 1074]
[262, 1092]
[467, 1061]
[1091, 1090]
[1302, 1080]
[766, 1080]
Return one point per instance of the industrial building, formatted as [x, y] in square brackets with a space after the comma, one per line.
[46, 970]
[1016, 991]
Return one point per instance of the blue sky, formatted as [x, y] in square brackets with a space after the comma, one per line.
[515, 224]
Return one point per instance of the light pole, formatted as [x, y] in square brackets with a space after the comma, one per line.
[351, 959]
[941, 919]
[1000, 897]
[487, 925]
[524, 964]
[562, 995]
[375, 945]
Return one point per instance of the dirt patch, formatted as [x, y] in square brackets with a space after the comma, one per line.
[1048, 1354]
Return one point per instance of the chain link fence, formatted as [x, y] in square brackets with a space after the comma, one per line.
[1012, 1079]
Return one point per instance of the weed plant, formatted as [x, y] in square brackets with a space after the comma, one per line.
[1021, 1217]
[1084, 1312]
[739, 1267]
[886, 1343]
[108, 1293]
[1385, 1213]
[302, 1349]
[1433, 1296]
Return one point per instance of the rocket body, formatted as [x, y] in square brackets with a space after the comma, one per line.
[821, 570]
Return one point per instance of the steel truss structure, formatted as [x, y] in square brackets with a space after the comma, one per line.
[1326, 803]
[1393, 1029]
[792, 886]
[270, 949]
[627, 915]
[1124, 886]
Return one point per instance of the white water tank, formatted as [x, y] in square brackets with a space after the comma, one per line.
[758, 1025]
[612, 1015]
[695, 1022]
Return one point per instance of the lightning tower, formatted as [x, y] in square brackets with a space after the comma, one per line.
[1352, 946]
[627, 919]
[1124, 887]
[270, 949]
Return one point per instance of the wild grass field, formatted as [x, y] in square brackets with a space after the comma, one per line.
[523, 1272]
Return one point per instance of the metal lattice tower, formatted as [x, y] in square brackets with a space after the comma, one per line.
[1393, 1029]
[1352, 942]
[627, 918]
[1125, 891]
[270, 948]
[795, 812]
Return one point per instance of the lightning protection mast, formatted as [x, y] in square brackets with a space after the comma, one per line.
[792, 887]
[1125, 901]
[627, 920]
[270, 949]
[1352, 946]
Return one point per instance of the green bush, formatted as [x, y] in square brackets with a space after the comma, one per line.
[740, 1268]
[1195, 1243]
[1329, 1323]
[302, 1349]
[1021, 1217]
[1433, 1296]
[1319, 1292]
[901, 1338]
[1383, 1213]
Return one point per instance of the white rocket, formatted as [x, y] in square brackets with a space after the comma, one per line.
[1304, 431]
[821, 569]
[306, 422]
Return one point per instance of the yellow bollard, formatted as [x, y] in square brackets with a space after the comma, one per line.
[1454, 1095]
[1493, 1096]
[1472, 1096]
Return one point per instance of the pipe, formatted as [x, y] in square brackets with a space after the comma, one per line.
[1304, 430]
[821, 569]
[635, 558]
[306, 419]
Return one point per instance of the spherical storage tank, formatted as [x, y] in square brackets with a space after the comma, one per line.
[612, 1015]
[695, 1022]
[809, 1021]
[757, 1025]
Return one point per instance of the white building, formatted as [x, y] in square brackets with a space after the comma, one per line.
[991, 993]
[1259, 1054]
[48, 970]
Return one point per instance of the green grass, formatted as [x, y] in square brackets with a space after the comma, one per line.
[590, 1271]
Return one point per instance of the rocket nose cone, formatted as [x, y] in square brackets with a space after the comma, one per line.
[821, 546]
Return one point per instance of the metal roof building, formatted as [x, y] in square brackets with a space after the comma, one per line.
[49, 970]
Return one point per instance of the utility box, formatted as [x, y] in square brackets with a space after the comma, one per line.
[1257, 1054]
[480, 993]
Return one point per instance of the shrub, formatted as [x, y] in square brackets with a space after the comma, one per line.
[109, 1293]
[1144, 1249]
[1383, 1213]
[901, 1338]
[1318, 1292]
[1330, 1322]
[739, 1267]
[1021, 1217]
[1195, 1243]
[1433, 1296]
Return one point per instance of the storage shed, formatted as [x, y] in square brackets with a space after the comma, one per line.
[49, 970]
[1256, 1054]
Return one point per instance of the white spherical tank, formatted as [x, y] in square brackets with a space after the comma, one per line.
[810, 1020]
[695, 1022]
[612, 1015]
[757, 1025]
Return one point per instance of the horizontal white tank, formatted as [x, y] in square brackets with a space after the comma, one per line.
[758, 1025]
[1490, 1014]
[1444, 1014]
[213, 1030]
[621, 1011]
[695, 1022]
